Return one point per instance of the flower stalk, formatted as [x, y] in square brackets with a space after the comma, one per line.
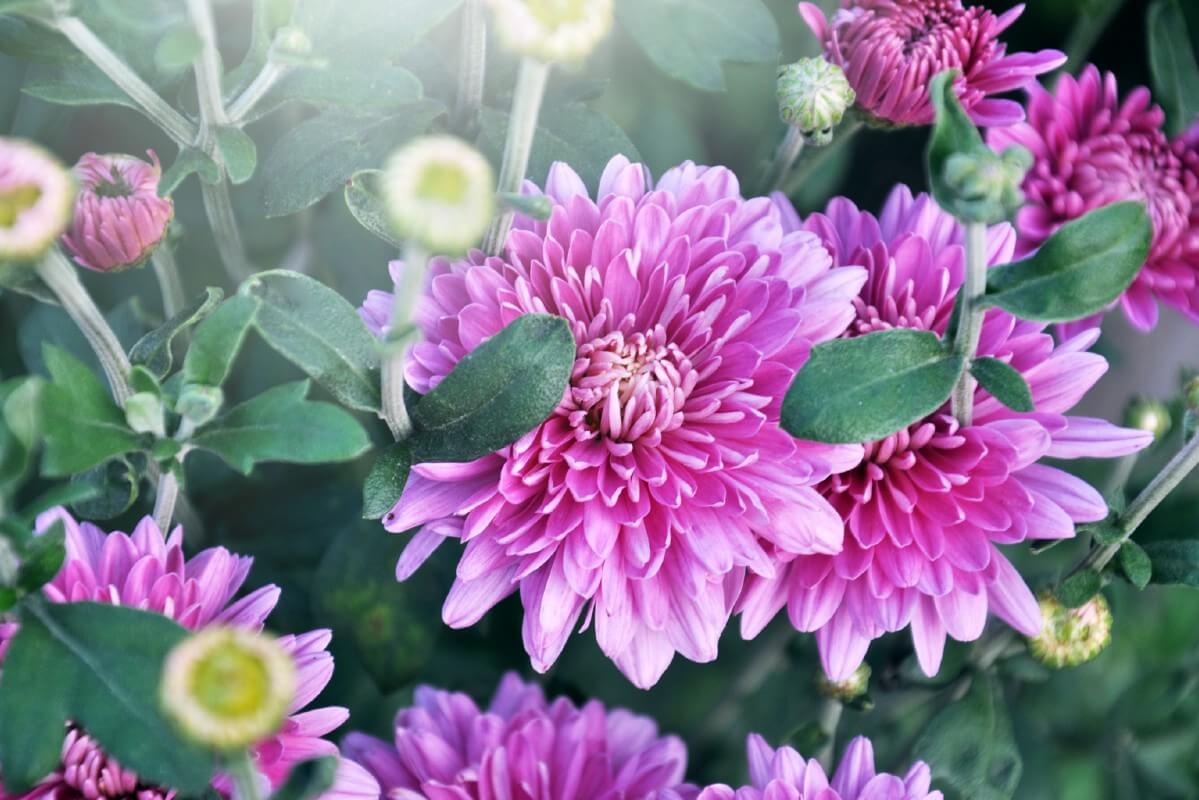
[522, 126]
[407, 289]
[785, 156]
[472, 66]
[830, 719]
[270, 74]
[970, 319]
[219, 206]
[165, 500]
[166, 270]
[815, 157]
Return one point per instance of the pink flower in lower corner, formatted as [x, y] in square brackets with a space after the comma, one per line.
[1092, 149]
[891, 50]
[927, 508]
[447, 748]
[783, 774]
[663, 474]
[148, 571]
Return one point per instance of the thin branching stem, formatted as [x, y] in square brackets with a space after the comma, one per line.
[970, 319]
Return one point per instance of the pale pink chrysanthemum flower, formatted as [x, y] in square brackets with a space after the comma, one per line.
[645, 496]
[891, 50]
[783, 774]
[1092, 149]
[36, 193]
[119, 217]
[927, 507]
[147, 571]
[520, 746]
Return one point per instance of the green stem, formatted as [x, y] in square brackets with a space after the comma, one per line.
[245, 779]
[219, 207]
[406, 291]
[270, 74]
[165, 500]
[816, 156]
[472, 66]
[522, 126]
[60, 276]
[207, 69]
[169, 282]
[785, 156]
[830, 718]
[970, 319]
[171, 121]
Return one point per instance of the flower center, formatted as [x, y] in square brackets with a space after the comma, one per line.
[443, 182]
[16, 201]
[625, 388]
[556, 13]
[231, 682]
[114, 185]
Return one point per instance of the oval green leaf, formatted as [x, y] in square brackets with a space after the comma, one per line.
[1004, 382]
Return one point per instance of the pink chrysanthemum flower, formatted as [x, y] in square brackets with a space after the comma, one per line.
[927, 506]
[784, 775]
[149, 572]
[447, 748]
[891, 50]
[650, 490]
[36, 193]
[1091, 149]
[119, 217]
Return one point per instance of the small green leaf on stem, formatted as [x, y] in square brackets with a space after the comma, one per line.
[386, 480]
[1080, 587]
[1004, 383]
[1135, 564]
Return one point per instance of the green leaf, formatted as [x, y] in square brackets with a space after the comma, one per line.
[1080, 587]
[76, 85]
[42, 559]
[499, 392]
[969, 744]
[308, 780]
[1135, 564]
[1004, 383]
[1082, 268]
[378, 29]
[97, 665]
[1172, 63]
[385, 482]
[20, 427]
[217, 341]
[691, 39]
[357, 86]
[320, 332]
[177, 49]
[364, 198]
[189, 160]
[112, 489]
[868, 387]
[281, 425]
[320, 154]
[83, 426]
[153, 351]
[533, 206]
[238, 152]
[35, 42]
[65, 494]
[1174, 561]
[15, 6]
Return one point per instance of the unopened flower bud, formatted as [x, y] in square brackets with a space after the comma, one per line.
[986, 185]
[227, 688]
[292, 41]
[119, 217]
[1071, 636]
[36, 193]
[552, 30]
[849, 689]
[1190, 394]
[440, 193]
[198, 403]
[813, 96]
[143, 412]
[1150, 415]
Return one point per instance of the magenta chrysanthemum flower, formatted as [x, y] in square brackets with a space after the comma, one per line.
[147, 571]
[784, 775]
[1091, 149]
[927, 506]
[119, 217]
[891, 50]
[653, 486]
[447, 748]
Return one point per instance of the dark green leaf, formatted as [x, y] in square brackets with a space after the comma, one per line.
[1003, 382]
[954, 132]
[308, 780]
[1106, 532]
[866, 388]
[43, 558]
[83, 426]
[154, 349]
[76, 85]
[1172, 62]
[320, 332]
[385, 482]
[20, 426]
[33, 41]
[1175, 561]
[189, 160]
[1082, 268]
[238, 152]
[97, 665]
[364, 198]
[691, 40]
[1135, 563]
[281, 425]
[1080, 587]
[177, 49]
[217, 341]
[65, 494]
[499, 392]
[112, 489]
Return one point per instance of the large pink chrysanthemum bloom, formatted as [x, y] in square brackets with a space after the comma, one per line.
[447, 748]
[891, 50]
[1091, 149]
[784, 775]
[651, 489]
[119, 217]
[147, 571]
[927, 506]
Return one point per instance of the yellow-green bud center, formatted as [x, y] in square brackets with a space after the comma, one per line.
[443, 182]
[16, 201]
[555, 13]
[231, 682]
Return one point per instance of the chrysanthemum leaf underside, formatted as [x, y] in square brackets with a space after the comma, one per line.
[499, 392]
[97, 665]
[1174, 561]
[869, 387]
[1079, 271]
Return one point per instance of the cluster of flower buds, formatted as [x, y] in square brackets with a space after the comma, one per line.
[552, 30]
[1071, 636]
[813, 96]
[986, 185]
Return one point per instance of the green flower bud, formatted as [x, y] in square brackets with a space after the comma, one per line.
[813, 96]
[1071, 636]
[1147, 414]
[199, 404]
[849, 689]
[143, 412]
[986, 186]
[1190, 394]
[552, 30]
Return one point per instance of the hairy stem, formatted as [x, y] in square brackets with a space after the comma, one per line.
[970, 320]
[270, 74]
[166, 270]
[207, 68]
[472, 66]
[245, 780]
[60, 276]
[785, 156]
[219, 207]
[830, 718]
[407, 289]
[165, 500]
[815, 157]
[522, 125]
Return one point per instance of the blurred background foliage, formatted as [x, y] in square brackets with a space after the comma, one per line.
[1124, 726]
